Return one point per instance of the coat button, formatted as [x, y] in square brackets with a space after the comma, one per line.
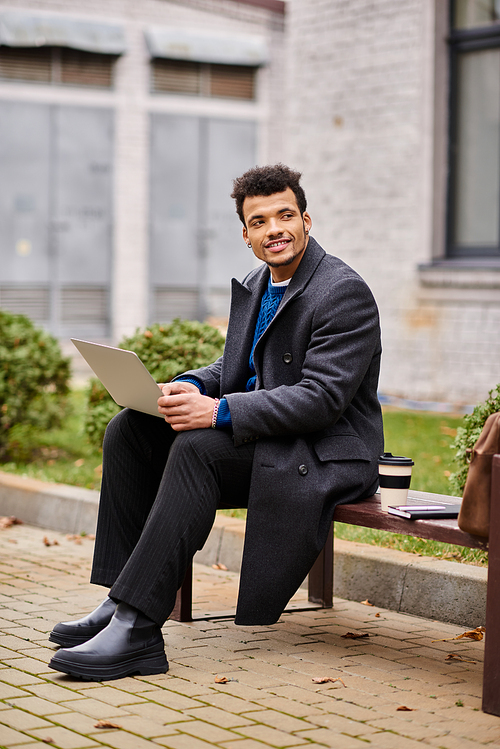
[287, 358]
[303, 470]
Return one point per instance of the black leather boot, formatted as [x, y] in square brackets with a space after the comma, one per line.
[68, 634]
[130, 644]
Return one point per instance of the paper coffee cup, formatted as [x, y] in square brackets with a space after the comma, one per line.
[394, 476]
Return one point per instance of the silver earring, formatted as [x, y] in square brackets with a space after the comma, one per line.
[249, 244]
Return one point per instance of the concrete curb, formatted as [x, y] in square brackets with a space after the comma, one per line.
[454, 593]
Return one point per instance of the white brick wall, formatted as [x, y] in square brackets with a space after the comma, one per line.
[361, 129]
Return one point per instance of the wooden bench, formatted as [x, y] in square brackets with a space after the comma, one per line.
[368, 513]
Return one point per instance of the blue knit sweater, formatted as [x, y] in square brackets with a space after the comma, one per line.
[270, 302]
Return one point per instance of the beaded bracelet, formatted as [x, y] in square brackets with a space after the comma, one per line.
[214, 415]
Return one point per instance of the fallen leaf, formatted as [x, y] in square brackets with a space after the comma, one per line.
[354, 635]
[325, 679]
[377, 614]
[221, 679]
[405, 709]
[12, 540]
[219, 566]
[50, 543]
[78, 463]
[471, 634]
[48, 741]
[106, 724]
[367, 603]
[6, 522]
[457, 657]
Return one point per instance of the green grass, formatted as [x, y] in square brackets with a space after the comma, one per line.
[65, 456]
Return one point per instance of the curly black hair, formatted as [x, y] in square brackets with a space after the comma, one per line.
[267, 180]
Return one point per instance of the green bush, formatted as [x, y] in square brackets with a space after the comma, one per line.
[166, 351]
[33, 384]
[468, 434]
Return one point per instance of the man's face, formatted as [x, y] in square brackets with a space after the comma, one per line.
[277, 231]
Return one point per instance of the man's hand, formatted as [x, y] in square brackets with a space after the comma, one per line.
[184, 407]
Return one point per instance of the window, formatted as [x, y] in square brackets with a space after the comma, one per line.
[60, 65]
[203, 79]
[474, 175]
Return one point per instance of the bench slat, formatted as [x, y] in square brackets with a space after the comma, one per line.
[369, 514]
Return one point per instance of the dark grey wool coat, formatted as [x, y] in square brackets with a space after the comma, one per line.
[314, 415]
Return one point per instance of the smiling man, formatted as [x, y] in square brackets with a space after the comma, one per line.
[286, 423]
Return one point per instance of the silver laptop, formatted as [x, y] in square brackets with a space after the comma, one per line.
[123, 375]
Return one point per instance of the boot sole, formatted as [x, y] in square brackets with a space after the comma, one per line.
[144, 666]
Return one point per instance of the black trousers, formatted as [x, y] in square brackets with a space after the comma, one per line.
[160, 491]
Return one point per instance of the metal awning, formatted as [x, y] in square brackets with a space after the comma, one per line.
[25, 30]
[184, 44]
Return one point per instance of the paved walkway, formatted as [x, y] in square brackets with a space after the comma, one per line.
[270, 698]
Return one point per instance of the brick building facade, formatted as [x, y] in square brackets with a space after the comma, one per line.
[359, 95]
[369, 124]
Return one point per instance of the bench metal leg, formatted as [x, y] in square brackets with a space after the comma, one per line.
[184, 601]
[321, 576]
[491, 677]
[320, 588]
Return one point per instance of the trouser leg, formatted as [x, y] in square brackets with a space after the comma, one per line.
[135, 452]
[203, 470]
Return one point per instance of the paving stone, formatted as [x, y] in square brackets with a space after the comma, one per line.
[148, 728]
[171, 699]
[63, 738]
[272, 736]
[37, 705]
[289, 707]
[279, 720]
[51, 692]
[326, 737]
[122, 740]
[22, 721]
[9, 737]
[7, 692]
[246, 744]
[95, 708]
[205, 731]
[219, 717]
[184, 741]
[115, 696]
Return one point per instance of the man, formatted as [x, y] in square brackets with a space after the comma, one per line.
[297, 429]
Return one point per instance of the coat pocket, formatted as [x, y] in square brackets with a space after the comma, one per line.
[341, 447]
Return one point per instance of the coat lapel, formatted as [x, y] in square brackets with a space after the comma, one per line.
[245, 305]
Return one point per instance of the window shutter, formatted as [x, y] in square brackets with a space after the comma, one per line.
[170, 303]
[57, 65]
[86, 68]
[176, 76]
[26, 64]
[232, 81]
[84, 305]
[26, 300]
[205, 79]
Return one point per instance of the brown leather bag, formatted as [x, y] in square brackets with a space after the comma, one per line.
[474, 516]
